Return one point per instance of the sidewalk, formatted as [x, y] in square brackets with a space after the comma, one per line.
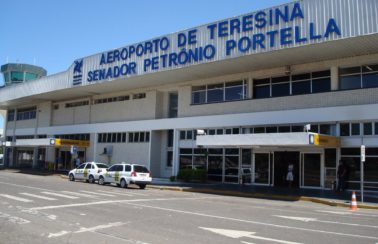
[331, 198]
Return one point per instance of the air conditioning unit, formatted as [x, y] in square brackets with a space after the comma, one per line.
[108, 151]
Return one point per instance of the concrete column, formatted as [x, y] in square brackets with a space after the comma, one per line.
[250, 87]
[334, 78]
[176, 152]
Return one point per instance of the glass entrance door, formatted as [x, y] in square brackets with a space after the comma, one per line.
[311, 170]
[262, 168]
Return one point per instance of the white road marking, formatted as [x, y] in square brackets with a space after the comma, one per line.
[52, 217]
[303, 219]
[62, 233]
[16, 198]
[14, 219]
[137, 193]
[239, 234]
[117, 193]
[59, 195]
[79, 194]
[347, 213]
[99, 227]
[250, 221]
[116, 201]
[82, 230]
[100, 194]
[38, 196]
[323, 221]
[24, 186]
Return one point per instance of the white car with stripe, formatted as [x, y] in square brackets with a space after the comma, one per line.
[125, 174]
[89, 171]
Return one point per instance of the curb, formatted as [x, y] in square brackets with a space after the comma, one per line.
[64, 177]
[262, 196]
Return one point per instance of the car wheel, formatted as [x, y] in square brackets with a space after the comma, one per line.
[91, 179]
[123, 183]
[101, 180]
[142, 186]
[72, 177]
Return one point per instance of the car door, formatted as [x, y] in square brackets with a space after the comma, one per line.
[117, 173]
[79, 172]
[87, 170]
[127, 173]
[109, 175]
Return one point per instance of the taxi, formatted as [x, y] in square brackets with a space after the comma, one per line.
[124, 174]
[89, 171]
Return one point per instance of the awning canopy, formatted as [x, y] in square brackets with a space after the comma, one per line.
[297, 139]
[52, 142]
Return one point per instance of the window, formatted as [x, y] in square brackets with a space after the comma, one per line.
[376, 128]
[30, 76]
[137, 137]
[182, 135]
[298, 84]
[355, 129]
[173, 105]
[139, 95]
[17, 76]
[81, 166]
[281, 86]
[301, 84]
[221, 92]
[215, 93]
[198, 94]
[321, 81]
[10, 116]
[170, 138]
[369, 76]
[235, 91]
[169, 159]
[111, 99]
[368, 129]
[344, 129]
[261, 88]
[77, 104]
[27, 113]
[359, 77]
[119, 137]
[271, 129]
[127, 168]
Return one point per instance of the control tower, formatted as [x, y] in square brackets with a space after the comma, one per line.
[19, 73]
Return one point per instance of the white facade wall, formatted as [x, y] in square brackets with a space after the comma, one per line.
[133, 109]
[137, 153]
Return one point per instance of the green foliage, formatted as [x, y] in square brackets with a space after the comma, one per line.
[172, 178]
[192, 175]
[50, 166]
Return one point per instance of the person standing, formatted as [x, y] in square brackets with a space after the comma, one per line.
[77, 162]
[290, 174]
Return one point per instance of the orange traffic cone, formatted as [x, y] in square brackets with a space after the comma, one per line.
[353, 204]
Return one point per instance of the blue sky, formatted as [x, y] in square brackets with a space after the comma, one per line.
[52, 34]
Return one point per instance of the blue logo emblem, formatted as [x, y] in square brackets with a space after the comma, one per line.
[78, 66]
[77, 75]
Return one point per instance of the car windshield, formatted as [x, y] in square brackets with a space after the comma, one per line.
[102, 166]
[140, 169]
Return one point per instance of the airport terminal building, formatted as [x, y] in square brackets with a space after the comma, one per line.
[291, 84]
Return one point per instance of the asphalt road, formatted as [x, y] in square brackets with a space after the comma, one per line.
[49, 209]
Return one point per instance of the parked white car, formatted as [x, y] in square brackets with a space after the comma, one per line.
[89, 171]
[125, 174]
